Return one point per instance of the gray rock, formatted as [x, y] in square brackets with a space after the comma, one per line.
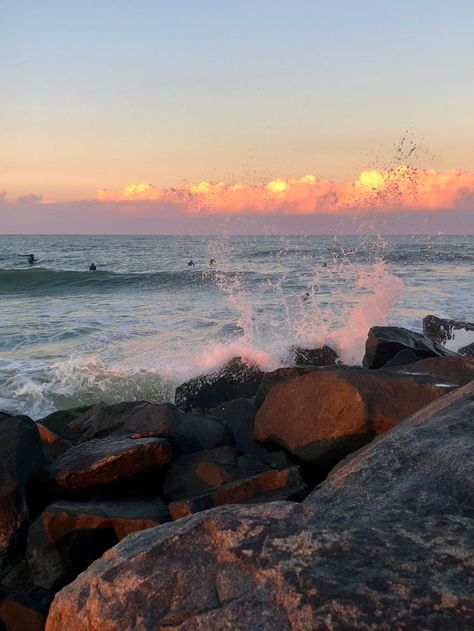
[385, 543]
[442, 330]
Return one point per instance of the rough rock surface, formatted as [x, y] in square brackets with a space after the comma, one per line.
[237, 379]
[385, 543]
[468, 350]
[23, 469]
[384, 342]
[270, 379]
[106, 460]
[58, 422]
[53, 444]
[185, 432]
[322, 416]
[268, 486]
[20, 613]
[442, 330]
[70, 534]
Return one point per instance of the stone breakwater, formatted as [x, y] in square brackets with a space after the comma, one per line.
[318, 496]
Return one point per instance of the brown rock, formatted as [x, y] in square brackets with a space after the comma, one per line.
[70, 534]
[270, 379]
[387, 543]
[267, 486]
[53, 444]
[20, 613]
[323, 356]
[322, 416]
[106, 460]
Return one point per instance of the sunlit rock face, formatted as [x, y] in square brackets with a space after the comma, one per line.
[385, 542]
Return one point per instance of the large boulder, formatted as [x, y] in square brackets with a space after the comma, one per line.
[239, 415]
[235, 380]
[70, 534]
[443, 330]
[385, 543]
[467, 351]
[185, 432]
[384, 342]
[322, 416]
[269, 486]
[107, 460]
[53, 444]
[197, 473]
[270, 379]
[23, 470]
[58, 421]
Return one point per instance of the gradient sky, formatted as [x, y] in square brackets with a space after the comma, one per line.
[104, 94]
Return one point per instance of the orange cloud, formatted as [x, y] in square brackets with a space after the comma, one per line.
[384, 190]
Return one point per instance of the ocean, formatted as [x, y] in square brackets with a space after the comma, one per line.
[145, 321]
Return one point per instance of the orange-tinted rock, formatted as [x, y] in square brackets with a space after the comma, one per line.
[53, 444]
[20, 613]
[387, 543]
[450, 371]
[267, 486]
[106, 460]
[70, 534]
[322, 416]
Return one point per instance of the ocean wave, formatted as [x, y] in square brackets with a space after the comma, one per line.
[43, 280]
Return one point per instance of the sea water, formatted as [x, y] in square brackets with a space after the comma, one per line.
[146, 320]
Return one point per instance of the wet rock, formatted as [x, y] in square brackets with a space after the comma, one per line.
[4, 415]
[70, 534]
[237, 379]
[385, 543]
[23, 471]
[443, 330]
[467, 351]
[442, 371]
[324, 356]
[53, 444]
[185, 432]
[270, 486]
[239, 415]
[384, 342]
[58, 422]
[107, 460]
[322, 416]
[197, 473]
[402, 358]
[20, 613]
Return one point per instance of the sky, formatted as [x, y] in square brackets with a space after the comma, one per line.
[181, 115]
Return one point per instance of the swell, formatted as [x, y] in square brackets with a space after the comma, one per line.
[48, 281]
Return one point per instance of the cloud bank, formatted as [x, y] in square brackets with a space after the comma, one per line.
[404, 200]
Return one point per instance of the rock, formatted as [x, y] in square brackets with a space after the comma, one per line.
[70, 534]
[20, 613]
[185, 432]
[239, 415]
[402, 358]
[58, 422]
[107, 460]
[270, 379]
[384, 342]
[197, 473]
[467, 351]
[324, 356]
[385, 543]
[237, 379]
[53, 444]
[322, 416]
[23, 470]
[442, 330]
[4, 415]
[268, 486]
[445, 371]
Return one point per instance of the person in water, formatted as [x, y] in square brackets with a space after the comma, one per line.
[92, 267]
[31, 259]
[190, 263]
[212, 262]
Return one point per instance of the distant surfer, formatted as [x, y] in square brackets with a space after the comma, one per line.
[92, 267]
[190, 263]
[306, 296]
[31, 259]
[212, 262]
[325, 264]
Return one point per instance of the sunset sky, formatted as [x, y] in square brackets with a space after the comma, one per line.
[146, 114]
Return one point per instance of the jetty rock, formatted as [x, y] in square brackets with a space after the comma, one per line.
[384, 342]
[443, 330]
[386, 542]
